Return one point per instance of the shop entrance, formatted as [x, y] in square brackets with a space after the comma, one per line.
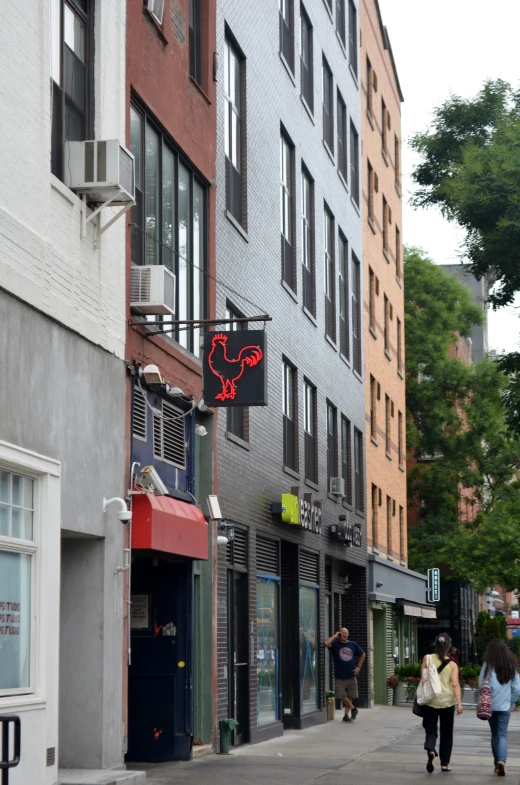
[380, 655]
[238, 679]
[160, 701]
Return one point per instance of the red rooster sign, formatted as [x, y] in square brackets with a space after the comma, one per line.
[227, 369]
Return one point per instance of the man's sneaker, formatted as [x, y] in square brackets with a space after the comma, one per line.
[354, 713]
[346, 718]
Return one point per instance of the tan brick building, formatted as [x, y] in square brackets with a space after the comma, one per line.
[393, 620]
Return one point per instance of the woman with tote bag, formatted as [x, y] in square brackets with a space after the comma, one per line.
[441, 709]
[500, 672]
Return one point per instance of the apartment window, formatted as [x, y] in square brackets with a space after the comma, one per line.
[356, 314]
[399, 346]
[286, 212]
[388, 430]
[402, 533]
[386, 331]
[344, 343]
[342, 137]
[370, 87]
[72, 73]
[397, 252]
[359, 471]
[233, 130]
[373, 408]
[330, 320]
[372, 299]
[370, 191]
[384, 120]
[388, 525]
[400, 445]
[308, 241]
[385, 225]
[169, 224]
[286, 32]
[328, 107]
[340, 20]
[237, 416]
[332, 444]
[309, 425]
[397, 161]
[306, 60]
[289, 416]
[196, 40]
[346, 453]
[354, 163]
[374, 516]
[352, 35]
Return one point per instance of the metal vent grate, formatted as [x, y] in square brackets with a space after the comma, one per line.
[267, 556]
[51, 756]
[169, 438]
[126, 171]
[169, 290]
[101, 162]
[140, 284]
[89, 162]
[240, 548]
[328, 577]
[309, 567]
[139, 415]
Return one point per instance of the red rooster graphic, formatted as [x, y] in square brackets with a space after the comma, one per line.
[229, 371]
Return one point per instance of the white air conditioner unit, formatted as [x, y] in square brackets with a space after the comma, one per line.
[337, 486]
[156, 8]
[104, 170]
[152, 290]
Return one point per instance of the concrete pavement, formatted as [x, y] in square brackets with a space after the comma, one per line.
[384, 744]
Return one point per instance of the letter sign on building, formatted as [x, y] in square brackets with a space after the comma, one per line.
[299, 510]
[234, 368]
[434, 585]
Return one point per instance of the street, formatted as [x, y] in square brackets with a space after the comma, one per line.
[384, 743]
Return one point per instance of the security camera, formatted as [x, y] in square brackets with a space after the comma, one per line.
[151, 480]
[152, 374]
[124, 513]
[125, 517]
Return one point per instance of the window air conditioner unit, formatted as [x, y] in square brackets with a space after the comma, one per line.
[104, 170]
[152, 290]
[156, 8]
[337, 486]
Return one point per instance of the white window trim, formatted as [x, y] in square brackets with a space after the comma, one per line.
[46, 472]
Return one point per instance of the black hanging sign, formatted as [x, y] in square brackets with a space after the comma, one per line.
[235, 368]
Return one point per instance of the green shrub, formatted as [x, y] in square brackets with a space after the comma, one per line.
[489, 628]
[404, 671]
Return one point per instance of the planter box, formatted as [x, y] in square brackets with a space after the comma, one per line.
[400, 698]
[469, 696]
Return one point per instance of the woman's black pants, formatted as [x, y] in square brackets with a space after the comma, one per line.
[446, 717]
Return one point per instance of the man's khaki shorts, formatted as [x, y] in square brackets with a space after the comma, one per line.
[346, 688]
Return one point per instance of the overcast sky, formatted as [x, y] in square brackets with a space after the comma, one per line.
[450, 46]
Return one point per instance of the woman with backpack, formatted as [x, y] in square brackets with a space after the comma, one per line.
[442, 708]
[500, 671]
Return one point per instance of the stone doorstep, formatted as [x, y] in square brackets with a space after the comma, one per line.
[100, 777]
[201, 750]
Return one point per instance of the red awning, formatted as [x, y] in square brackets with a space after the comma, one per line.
[161, 523]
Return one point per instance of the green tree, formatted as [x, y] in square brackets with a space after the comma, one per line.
[457, 427]
[470, 170]
[489, 628]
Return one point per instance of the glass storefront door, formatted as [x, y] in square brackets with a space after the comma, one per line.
[267, 662]
[309, 683]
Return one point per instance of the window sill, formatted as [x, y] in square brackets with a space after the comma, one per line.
[343, 179]
[371, 119]
[398, 279]
[398, 189]
[150, 18]
[64, 191]
[308, 109]
[292, 294]
[388, 455]
[386, 255]
[402, 563]
[345, 360]
[385, 156]
[401, 374]
[388, 355]
[291, 472]
[374, 441]
[329, 10]
[390, 558]
[240, 229]
[372, 332]
[331, 342]
[375, 550]
[354, 76]
[402, 468]
[201, 90]
[309, 316]
[356, 206]
[356, 373]
[312, 484]
[329, 151]
[347, 505]
[341, 43]
[237, 440]
[288, 69]
[370, 220]
[361, 513]
[334, 498]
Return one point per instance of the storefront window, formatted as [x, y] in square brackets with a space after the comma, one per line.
[16, 525]
[406, 640]
[397, 648]
[267, 650]
[308, 649]
[328, 633]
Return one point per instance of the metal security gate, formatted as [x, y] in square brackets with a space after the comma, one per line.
[7, 763]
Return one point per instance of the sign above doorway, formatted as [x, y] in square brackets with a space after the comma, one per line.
[300, 510]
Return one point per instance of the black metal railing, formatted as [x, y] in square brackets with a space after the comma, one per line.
[6, 763]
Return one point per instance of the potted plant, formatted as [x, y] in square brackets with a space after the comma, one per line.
[408, 677]
[468, 678]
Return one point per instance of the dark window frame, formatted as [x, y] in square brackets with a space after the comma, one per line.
[328, 105]
[341, 21]
[386, 324]
[308, 242]
[344, 295]
[341, 128]
[399, 346]
[384, 120]
[346, 457]
[356, 314]
[385, 224]
[398, 252]
[236, 169]
[359, 472]
[329, 272]
[195, 27]
[286, 14]
[287, 212]
[370, 87]
[400, 445]
[373, 407]
[306, 53]
[332, 443]
[352, 37]
[354, 163]
[310, 420]
[388, 425]
[374, 505]
[290, 415]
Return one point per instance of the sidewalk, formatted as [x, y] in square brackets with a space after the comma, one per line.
[383, 744]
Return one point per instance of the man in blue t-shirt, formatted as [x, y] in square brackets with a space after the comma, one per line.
[346, 669]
